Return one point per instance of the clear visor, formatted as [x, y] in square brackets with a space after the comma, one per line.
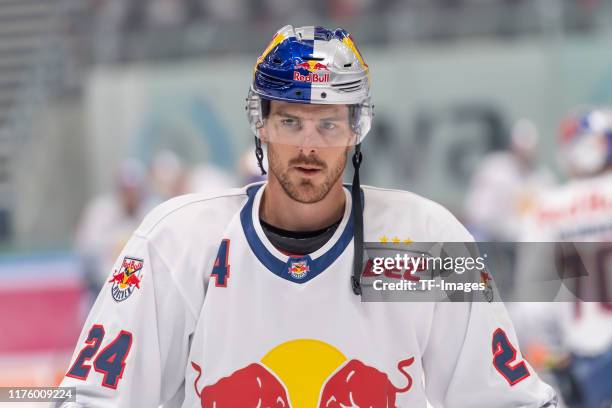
[329, 126]
[290, 129]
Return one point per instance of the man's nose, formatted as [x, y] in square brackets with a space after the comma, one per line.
[309, 137]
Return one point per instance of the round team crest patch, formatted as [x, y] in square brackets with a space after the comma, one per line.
[298, 269]
[127, 279]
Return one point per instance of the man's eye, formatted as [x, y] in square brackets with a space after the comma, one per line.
[289, 122]
[329, 125]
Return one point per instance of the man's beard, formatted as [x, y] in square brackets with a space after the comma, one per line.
[305, 191]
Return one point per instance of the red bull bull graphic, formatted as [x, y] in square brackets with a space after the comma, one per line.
[358, 385]
[126, 279]
[305, 373]
[251, 386]
[315, 72]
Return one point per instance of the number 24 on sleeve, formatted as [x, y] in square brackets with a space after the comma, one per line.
[110, 361]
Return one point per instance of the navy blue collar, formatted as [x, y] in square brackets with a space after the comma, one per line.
[294, 269]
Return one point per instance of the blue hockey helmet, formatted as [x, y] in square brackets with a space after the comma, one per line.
[312, 65]
[585, 141]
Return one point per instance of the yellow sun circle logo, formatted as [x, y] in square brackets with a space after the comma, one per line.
[304, 365]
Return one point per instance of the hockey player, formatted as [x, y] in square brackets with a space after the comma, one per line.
[251, 298]
[579, 211]
[504, 186]
[109, 220]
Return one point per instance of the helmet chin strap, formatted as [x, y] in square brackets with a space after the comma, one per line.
[259, 154]
[357, 211]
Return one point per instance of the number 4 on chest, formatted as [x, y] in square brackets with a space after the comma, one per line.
[221, 269]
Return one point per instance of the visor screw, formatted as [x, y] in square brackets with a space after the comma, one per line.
[323, 95]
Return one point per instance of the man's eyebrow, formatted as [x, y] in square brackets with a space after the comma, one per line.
[336, 117]
[285, 114]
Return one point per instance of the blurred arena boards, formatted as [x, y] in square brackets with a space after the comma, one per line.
[42, 301]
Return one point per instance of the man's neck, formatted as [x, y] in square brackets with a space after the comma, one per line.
[280, 210]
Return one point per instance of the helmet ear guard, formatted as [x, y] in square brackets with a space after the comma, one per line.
[360, 117]
[254, 112]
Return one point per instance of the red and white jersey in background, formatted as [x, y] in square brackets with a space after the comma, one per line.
[579, 211]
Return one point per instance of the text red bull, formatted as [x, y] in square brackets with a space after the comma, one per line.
[313, 76]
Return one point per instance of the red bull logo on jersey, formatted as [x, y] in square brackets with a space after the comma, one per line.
[306, 373]
[485, 279]
[299, 269]
[127, 279]
[315, 72]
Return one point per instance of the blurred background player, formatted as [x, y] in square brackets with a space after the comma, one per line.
[505, 185]
[168, 176]
[205, 177]
[576, 338]
[109, 220]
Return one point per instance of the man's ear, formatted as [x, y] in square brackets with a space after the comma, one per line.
[263, 134]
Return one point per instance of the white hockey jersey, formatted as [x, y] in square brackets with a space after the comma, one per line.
[580, 211]
[202, 311]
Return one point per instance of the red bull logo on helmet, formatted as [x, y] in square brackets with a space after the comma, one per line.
[315, 72]
[126, 279]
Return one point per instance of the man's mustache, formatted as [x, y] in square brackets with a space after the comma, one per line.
[303, 160]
